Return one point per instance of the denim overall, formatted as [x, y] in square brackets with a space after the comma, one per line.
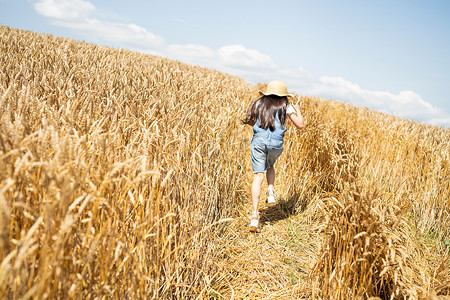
[266, 145]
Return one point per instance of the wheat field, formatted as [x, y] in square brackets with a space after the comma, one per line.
[127, 176]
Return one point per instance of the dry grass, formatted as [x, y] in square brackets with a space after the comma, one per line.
[115, 168]
[127, 176]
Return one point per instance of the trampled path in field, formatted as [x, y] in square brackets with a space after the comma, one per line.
[270, 264]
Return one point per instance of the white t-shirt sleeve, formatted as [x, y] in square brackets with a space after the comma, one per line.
[290, 110]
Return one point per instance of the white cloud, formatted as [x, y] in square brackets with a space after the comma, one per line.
[193, 54]
[240, 57]
[406, 104]
[117, 34]
[64, 9]
[75, 14]
[235, 59]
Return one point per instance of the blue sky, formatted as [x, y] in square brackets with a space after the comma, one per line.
[390, 56]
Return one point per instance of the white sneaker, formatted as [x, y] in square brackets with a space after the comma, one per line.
[254, 222]
[271, 200]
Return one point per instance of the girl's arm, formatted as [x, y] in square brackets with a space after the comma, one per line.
[297, 117]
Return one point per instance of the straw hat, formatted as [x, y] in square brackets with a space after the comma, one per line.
[277, 88]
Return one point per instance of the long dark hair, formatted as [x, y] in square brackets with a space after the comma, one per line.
[266, 109]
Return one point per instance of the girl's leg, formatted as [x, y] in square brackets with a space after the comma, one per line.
[271, 201]
[270, 175]
[256, 190]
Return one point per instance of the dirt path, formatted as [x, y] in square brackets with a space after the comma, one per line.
[270, 264]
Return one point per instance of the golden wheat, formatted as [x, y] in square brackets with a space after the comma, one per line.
[127, 176]
[113, 169]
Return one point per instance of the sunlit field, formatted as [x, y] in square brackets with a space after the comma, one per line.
[127, 176]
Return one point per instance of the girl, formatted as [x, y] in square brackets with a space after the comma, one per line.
[267, 116]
